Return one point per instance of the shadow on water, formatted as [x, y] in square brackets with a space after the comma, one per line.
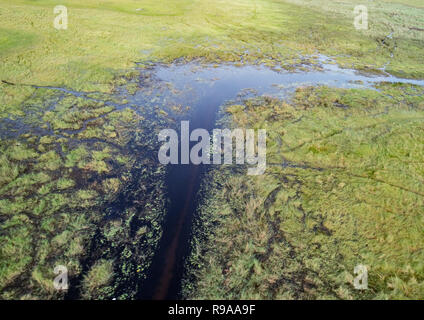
[183, 181]
[205, 89]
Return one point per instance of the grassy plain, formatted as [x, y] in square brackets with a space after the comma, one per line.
[104, 38]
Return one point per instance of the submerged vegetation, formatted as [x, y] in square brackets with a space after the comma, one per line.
[70, 196]
[80, 184]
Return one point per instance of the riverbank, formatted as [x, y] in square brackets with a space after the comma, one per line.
[343, 187]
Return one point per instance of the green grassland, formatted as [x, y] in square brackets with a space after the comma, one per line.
[343, 187]
[106, 37]
[402, 20]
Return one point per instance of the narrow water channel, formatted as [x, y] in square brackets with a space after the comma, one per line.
[205, 90]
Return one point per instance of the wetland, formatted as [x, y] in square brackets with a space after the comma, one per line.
[81, 184]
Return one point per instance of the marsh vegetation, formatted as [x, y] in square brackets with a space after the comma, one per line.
[81, 185]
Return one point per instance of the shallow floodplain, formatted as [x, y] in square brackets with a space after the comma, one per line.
[81, 185]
